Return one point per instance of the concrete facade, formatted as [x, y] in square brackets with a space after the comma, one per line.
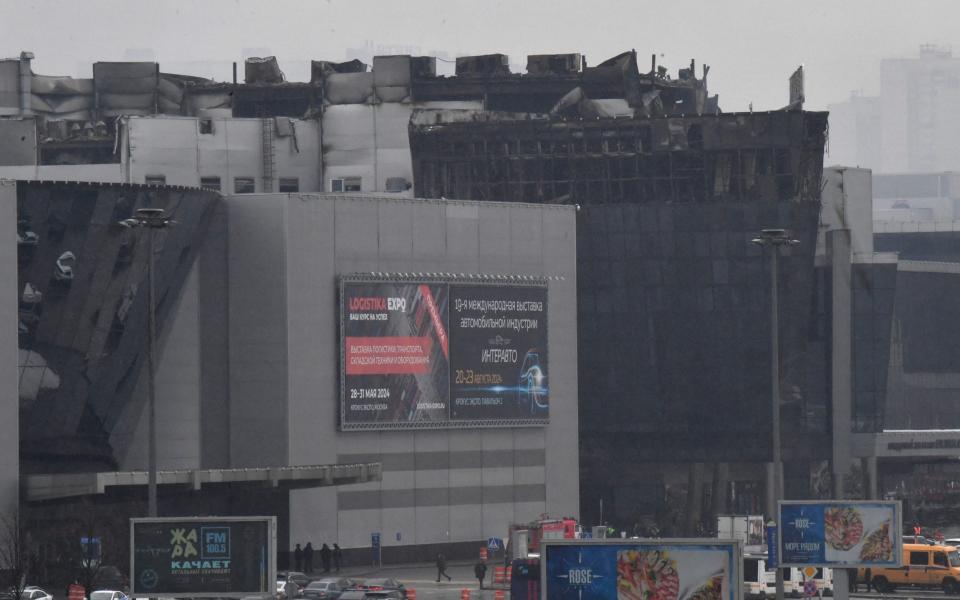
[281, 256]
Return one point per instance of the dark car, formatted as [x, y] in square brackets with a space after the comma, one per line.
[384, 584]
[301, 579]
[326, 589]
[109, 577]
[386, 594]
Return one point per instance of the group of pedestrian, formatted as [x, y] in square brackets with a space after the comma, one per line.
[303, 557]
[853, 582]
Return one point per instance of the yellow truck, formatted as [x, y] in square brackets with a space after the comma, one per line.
[928, 566]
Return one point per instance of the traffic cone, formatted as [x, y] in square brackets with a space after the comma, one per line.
[499, 595]
[464, 594]
[411, 594]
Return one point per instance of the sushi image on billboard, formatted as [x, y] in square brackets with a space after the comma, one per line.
[840, 533]
[688, 569]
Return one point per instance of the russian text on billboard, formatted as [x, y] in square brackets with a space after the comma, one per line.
[201, 556]
[437, 353]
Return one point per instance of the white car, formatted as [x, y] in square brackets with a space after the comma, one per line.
[32, 592]
[108, 595]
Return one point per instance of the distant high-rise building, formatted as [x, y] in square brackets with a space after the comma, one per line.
[855, 132]
[918, 110]
[912, 126]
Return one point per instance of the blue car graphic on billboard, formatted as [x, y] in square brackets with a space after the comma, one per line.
[532, 387]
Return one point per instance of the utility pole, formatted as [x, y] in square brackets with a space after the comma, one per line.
[151, 219]
[774, 239]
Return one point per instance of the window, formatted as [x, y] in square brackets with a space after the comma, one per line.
[210, 183]
[244, 185]
[921, 558]
[206, 126]
[397, 184]
[751, 570]
[346, 184]
[940, 559]
[289, 185]
[155, 180]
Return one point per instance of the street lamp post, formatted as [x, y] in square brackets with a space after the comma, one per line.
[774, 239]
[151, 219]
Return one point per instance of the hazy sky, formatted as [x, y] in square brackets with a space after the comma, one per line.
[752, 46]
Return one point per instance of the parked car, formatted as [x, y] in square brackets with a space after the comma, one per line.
[301, 579]
[32, 592]
[110, 577]
[108, 595]
[326, 589]
[282, 584]
[380, 584]
[387, 594]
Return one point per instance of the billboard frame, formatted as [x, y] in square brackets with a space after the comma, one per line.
[453, 279]
[271, 522]
[735, 545]
[897, 535]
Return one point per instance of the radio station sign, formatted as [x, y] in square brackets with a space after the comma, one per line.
[436, 354]
[840, 534]
[202, 556]
[690, 569]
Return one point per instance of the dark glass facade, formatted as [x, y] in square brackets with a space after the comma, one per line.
[83, 310]
[673, 298]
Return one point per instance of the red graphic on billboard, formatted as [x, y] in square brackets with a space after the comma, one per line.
[435, 317]
[388, 355]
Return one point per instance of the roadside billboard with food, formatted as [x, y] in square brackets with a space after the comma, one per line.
[840, 533]
[639, 569]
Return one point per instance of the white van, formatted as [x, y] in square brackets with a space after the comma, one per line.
[760, 584]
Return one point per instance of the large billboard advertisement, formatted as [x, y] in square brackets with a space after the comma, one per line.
[840, 533]
[690, 569]
[431, 353]
[202, 556]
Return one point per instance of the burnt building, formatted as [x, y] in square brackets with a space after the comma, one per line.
[673, 300]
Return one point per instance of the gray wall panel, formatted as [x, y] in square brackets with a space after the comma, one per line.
[434, 482]
[258, 333]
[429, 232]
[214, 344]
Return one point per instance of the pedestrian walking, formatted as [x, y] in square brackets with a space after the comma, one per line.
[308, 557]
[325, 555]
[298, 558]
[852, 580]
[868, 577]
[290, 589]
[337, 556]
[480, 571]
[442, 567]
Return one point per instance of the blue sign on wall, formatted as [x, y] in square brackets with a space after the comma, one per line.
[772, 556]
[608, 569]
[840, 534]
[375, 539]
